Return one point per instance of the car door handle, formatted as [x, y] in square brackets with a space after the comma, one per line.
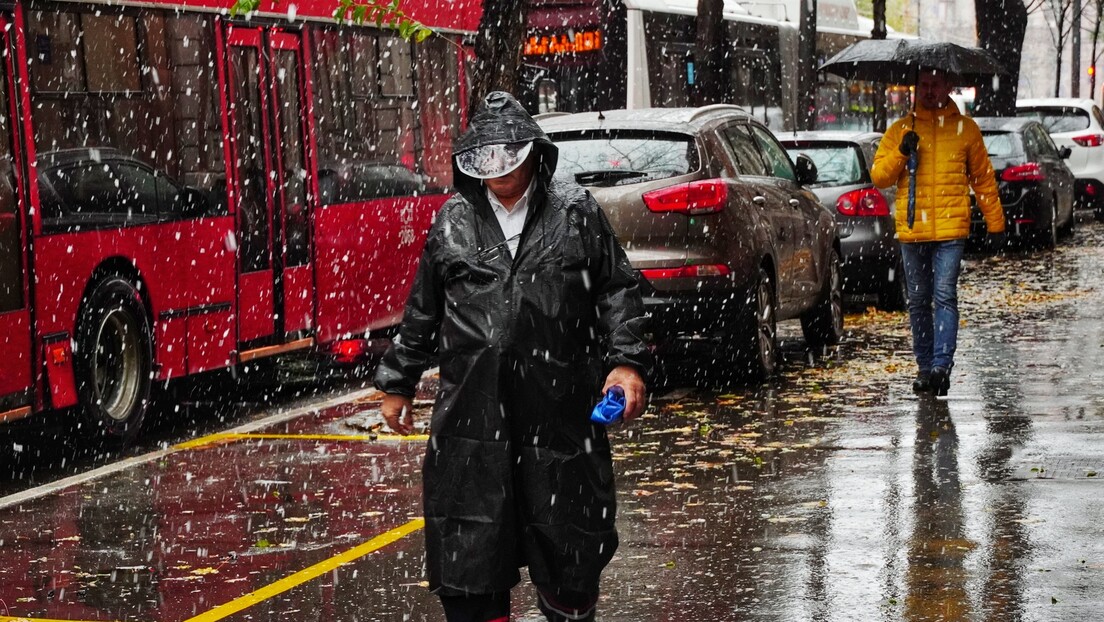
[795, 203]
[759, 200]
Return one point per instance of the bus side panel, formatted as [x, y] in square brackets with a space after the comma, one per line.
[210, 341]
[367, 254]
[15, 352]
[64, 265]
[298, 298]
[210, 290]
[171, 347]
[255, 304]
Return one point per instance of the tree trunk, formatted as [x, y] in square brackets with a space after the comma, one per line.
[1000, 30]
[498, 46]
[1058, 72]
[710, 51]
[1058, 7]
[879, 32]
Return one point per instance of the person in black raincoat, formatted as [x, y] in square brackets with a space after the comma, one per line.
[529, 329]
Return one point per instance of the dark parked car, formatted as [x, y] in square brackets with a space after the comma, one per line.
[89, 188]
[717, 219]
[360, 180]
[1036, 186]
[868, 234]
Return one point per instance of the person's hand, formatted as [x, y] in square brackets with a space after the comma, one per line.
[398, 412]
[632, 384]
[996, 241]
[909, 143]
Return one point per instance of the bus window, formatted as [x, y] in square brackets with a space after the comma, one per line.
[438, 94]
[371, 147]
[296, 224]
[143, 84]
[11, 265]
[248, 133]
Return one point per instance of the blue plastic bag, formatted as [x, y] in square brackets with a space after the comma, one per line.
[611, 408]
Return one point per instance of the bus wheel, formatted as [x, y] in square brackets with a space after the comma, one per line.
[114, 360]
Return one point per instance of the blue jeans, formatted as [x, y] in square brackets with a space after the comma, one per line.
[931, 272]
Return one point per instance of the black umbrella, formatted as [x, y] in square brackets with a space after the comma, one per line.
[897, 61]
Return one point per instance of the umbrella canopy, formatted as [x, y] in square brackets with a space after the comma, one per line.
[898, 61]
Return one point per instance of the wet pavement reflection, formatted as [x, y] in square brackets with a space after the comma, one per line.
[830, 494]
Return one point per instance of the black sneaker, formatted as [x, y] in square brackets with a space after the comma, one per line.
[940, 381]
[922, 384]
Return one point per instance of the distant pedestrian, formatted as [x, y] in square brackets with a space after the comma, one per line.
[952, 159]
[529, 304]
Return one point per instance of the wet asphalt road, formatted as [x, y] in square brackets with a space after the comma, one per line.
[830, 494]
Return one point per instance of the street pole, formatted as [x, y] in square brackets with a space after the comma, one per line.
[1075, 56]
[807, 66]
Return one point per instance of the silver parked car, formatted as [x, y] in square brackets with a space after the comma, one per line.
[868, 234]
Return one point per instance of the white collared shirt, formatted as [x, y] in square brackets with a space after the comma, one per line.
[513, 221]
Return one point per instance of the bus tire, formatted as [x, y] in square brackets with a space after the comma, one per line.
[114, 360]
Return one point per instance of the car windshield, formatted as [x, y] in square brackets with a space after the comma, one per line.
[837, 165]
[1001, 144]
[1057, 118]
[614, 159]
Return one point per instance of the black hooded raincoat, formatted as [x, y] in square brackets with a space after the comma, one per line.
[515, 473]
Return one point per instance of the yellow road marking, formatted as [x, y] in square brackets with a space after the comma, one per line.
[229, 437]
[288, 582]
[309, 573]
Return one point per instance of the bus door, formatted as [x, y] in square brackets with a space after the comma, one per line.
[15, 324]
[266, 108]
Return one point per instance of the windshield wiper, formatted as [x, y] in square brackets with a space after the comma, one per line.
[594, 177]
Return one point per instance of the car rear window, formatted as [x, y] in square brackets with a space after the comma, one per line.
[837, 165]
[619, 158]
[1001, 144]
[1057, 118]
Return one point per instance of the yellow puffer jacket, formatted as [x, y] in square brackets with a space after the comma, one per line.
[953, 159]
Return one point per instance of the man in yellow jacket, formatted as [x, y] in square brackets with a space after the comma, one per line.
[952, 160]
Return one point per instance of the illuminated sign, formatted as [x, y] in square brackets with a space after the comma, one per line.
[564, 43]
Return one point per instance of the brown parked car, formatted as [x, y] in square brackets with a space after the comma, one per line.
[717, 220]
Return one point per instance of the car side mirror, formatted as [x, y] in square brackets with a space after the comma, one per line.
[1065, 153]
[806, 170]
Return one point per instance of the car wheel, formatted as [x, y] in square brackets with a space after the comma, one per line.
[1067, 229]
[114, 360]
[758, 333]
[1048, 237]
[823, 324]
[893, 294]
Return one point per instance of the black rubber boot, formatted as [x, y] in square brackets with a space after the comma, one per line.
[940, 381]
[922, 384]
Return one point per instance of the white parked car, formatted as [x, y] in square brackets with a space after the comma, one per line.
[1079, 125]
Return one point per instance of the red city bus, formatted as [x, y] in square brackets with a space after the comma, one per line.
[182, 191]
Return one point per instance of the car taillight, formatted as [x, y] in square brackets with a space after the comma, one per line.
[862, 202]
[685, 272]
[700, 197]
[1089, 140]
[1023, 172]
